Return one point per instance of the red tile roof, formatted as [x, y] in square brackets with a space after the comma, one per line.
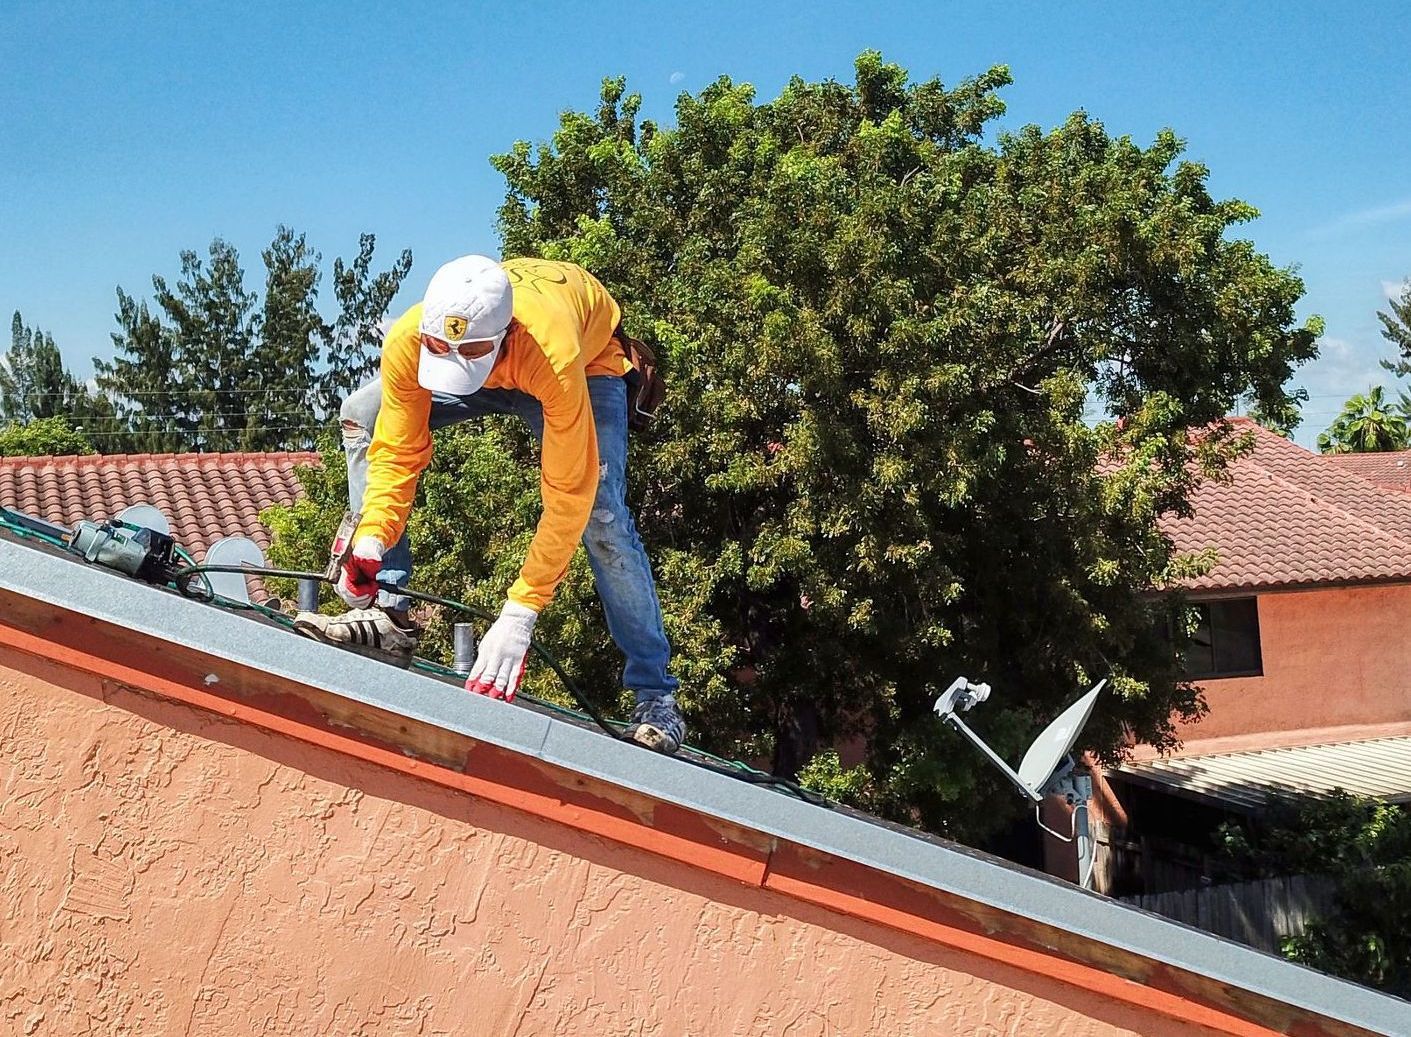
[1290, 517]
[205, 496]
[1391, 469]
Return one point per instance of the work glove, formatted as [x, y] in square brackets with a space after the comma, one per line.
[500, 664]
[357, 583]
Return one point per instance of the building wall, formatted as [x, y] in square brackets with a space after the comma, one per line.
[163, 870]
[1332, 658]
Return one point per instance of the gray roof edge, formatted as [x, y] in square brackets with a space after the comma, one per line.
[956, 870]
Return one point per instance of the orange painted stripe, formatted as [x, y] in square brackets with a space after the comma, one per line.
[725, 861]
[1052, 966]
[722, 859]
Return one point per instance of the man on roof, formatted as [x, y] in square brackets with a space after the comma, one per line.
[542, 340]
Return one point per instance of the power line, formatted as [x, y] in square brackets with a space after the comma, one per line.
[199, 433]
[170, 392]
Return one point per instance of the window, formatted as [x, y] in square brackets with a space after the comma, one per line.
[1226, 640]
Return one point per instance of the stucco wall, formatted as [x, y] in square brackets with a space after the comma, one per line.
[166, 871]
[1332, 658]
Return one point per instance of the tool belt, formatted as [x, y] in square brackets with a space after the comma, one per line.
[645, 386]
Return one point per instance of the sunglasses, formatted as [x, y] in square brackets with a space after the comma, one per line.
[469, 350]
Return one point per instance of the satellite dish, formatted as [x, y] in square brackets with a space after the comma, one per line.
[146, 516]
[233, 551]
[1048, 768]
[1048, 750]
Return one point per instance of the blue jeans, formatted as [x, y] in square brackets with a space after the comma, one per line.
[615, 552]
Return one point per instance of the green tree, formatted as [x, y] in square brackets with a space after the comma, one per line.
[1396, 329]
[1365, 846]
[143, 379]
[1285, 417]
[214, 366]
[873, 471]
[33, 380]
[212, 318]
[43, 437]
[34, 384]
[283, 380]
[1368, 423]
[353, 341]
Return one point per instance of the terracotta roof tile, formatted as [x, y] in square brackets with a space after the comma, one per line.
[1390, 470]
[205, 496]
[1291, 517]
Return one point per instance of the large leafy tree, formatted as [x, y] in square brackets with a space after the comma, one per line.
[1367, 424]
[873, 471]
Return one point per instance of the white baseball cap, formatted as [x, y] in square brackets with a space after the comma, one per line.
[468, 300]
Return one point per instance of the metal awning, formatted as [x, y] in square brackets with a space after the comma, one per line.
[1379, 768]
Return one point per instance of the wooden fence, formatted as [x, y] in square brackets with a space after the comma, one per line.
[1259, 914]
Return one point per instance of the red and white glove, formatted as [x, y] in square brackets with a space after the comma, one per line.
[499, 666]
[357, 584]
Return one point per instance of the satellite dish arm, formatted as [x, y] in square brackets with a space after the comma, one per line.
[1005, 769]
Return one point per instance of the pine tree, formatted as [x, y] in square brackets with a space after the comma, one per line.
[143, 380]
[213, 366]
[353, 342]
[1396, 329]
[211, 315]
[281, 409]
[33, 382]
[35, 386]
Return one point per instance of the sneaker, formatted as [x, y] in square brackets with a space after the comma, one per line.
[371, 632]
[657, 724]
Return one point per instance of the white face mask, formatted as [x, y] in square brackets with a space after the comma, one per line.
[456, 374]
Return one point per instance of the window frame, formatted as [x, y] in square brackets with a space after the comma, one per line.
[1215, 673]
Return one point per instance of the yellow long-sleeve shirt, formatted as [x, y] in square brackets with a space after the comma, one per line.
[562, 333]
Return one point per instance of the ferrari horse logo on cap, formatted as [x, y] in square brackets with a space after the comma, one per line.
[455, 328]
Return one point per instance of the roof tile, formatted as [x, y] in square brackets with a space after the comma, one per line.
[1289, 517]
[205, 496]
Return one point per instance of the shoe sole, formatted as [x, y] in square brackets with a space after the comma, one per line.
[402, 660]
[654, 738]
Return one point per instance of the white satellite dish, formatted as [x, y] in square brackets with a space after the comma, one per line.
[233, 551]
[1057, 741]
[145, 516]
[1048, 768]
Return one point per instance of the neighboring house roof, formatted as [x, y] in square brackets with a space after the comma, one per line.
[1379, 768]
[204, 496]
[247, 672]
[1389, 469]
[1290, 517]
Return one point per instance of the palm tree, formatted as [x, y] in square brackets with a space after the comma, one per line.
[1367, 424]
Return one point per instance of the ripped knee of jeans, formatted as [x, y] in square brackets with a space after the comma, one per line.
[355, 433]
[609, 537]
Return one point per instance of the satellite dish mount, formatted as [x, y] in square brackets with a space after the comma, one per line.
[1049, 768]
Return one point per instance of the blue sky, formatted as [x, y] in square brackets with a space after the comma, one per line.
[129, 132]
